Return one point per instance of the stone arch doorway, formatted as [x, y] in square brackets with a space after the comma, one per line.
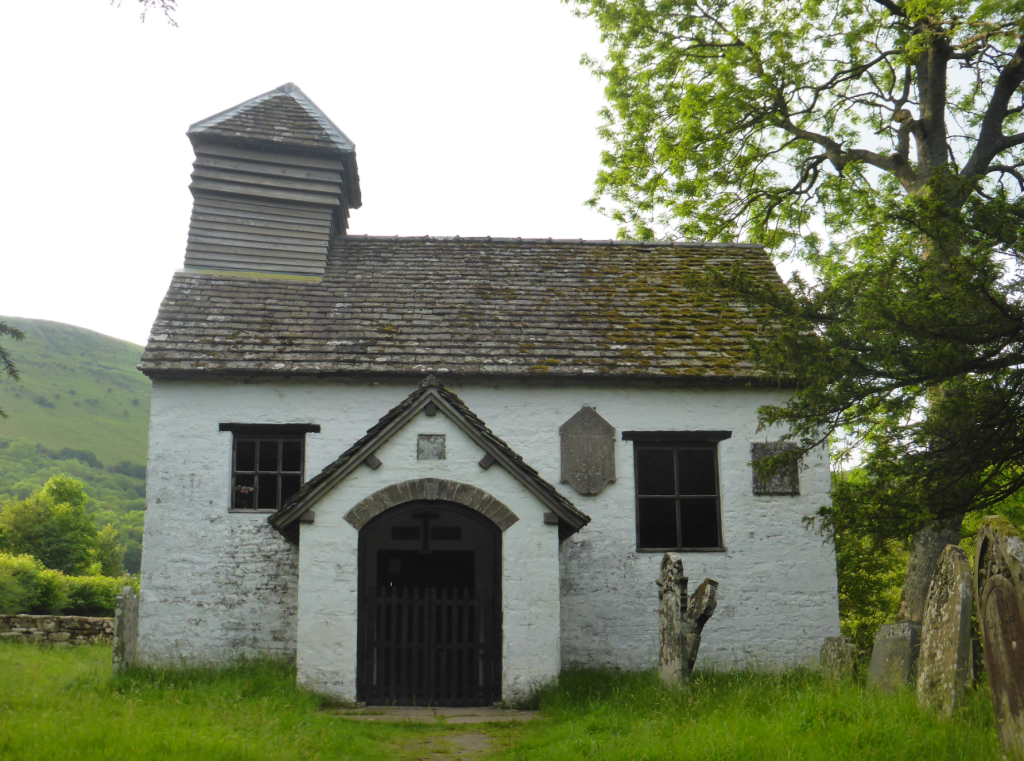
[429, 607]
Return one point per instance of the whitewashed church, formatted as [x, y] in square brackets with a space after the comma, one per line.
[443, 469]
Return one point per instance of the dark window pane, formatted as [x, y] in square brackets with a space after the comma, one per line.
[699, 519]
[289, 485]
[291, 455]
[268, 455]
[446, 533]
[405, 533]
[245, 492]
[654, 473]
[245, 455]
[656, 523]
[697, 471]
[266, 493]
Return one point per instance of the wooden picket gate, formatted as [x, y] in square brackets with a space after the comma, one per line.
[429, 647]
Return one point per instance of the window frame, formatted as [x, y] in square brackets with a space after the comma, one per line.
[676, 441]
[242, 432]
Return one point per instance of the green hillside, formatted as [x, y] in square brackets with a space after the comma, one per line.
[78, 390]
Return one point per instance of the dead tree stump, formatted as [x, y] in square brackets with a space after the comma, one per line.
[681, 620]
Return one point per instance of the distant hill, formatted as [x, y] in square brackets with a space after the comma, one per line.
[79, 390]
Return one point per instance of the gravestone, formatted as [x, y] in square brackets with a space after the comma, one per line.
[999, 591]
[944, 666]
[894, 657]
[588, 451]
[126, 629]
[681, 620]
[838, 657]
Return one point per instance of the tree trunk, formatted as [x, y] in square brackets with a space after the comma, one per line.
[927, 545]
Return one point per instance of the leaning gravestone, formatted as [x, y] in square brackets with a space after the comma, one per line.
[894, 657]
[999, 590]
[681, 620]
[944, 664]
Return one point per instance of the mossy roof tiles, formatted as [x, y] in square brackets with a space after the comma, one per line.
[468, 307]
[284, 117]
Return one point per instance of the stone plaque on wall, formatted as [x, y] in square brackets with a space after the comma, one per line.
[784, 479]
[588, 451]
[430, 446]
[999, 591]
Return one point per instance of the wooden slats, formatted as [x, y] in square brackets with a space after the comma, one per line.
[266, 181]
[274, 231]
[272, 170]
[271, 210]
[427, 647]
[255, 240]
[315, 162]
[247, 189]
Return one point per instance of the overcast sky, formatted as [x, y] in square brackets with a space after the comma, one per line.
[469, 118]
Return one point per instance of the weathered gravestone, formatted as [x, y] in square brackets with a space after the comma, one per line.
[126, 629]
[838, 657]
[944, 666]
[588, 451]
[999, 591]
[894, 657]
[681, 620]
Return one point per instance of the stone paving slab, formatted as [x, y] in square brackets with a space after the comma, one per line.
[429, 714]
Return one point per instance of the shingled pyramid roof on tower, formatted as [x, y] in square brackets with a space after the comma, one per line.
[284, 116]
[273, 182]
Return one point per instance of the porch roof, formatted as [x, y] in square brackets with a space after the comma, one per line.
[286, 520]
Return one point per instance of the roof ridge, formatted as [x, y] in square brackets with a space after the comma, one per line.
[339, 138]
[558, 241]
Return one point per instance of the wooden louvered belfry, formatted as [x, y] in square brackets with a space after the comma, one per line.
[273, 182]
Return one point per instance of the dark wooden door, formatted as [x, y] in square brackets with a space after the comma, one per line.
[430, 611]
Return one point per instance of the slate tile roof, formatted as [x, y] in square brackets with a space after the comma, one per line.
[286, 520]
[467, 307]
[284, 116]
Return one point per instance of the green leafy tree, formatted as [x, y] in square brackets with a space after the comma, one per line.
[108, 552]
[52, 525]
[881, 141]
[7, 366]
[167, 7]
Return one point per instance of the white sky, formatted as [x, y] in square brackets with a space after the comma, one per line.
[469, 118]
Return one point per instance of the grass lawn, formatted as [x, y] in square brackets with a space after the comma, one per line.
[63, 703]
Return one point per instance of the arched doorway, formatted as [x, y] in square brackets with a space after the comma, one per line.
[429, 607]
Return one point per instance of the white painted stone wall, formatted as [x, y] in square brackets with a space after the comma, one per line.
[531, 653]
[777, 593]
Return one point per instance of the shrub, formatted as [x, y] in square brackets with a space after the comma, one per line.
[29, 586]
[92, 595]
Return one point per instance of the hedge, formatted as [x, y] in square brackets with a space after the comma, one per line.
[27, 586]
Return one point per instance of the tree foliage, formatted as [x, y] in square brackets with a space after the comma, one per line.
[7, 366]
[52, 526]
[881, 141]
[116, 493]
[757, 118]
[166, 7]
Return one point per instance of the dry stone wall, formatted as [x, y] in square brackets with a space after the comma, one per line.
[60, 630]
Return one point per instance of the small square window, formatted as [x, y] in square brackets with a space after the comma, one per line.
[266, 464]
[678, 506]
